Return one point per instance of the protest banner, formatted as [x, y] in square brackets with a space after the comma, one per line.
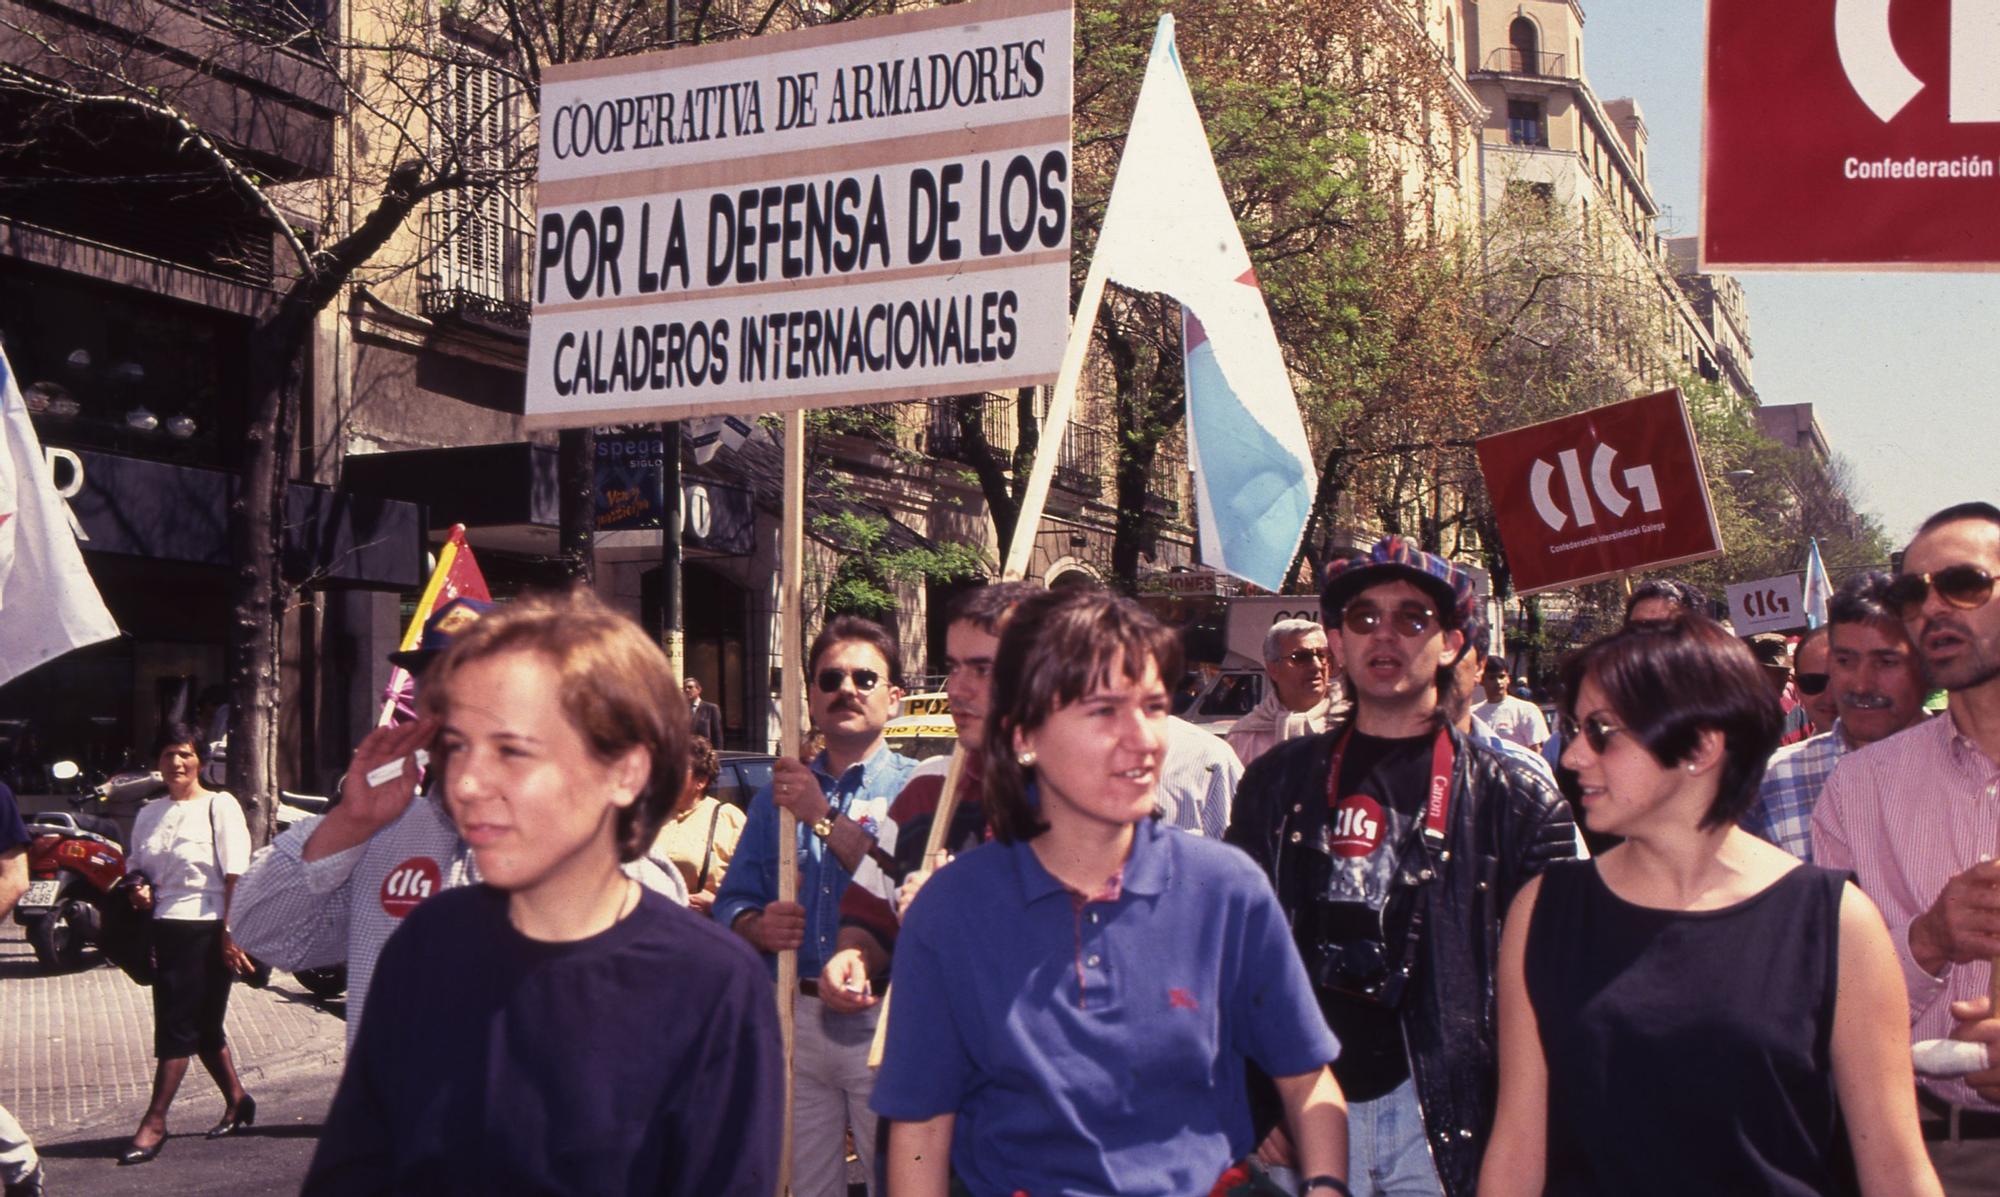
[1767, 605]
[856, 212]
[1604, 492]
[1851, 134]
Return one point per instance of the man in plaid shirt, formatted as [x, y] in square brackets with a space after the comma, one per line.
[1877, 684]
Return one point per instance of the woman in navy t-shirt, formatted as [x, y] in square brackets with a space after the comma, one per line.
[1073, 1003]
[559, 1028]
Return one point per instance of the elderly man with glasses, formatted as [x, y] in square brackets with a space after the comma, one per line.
[840, 801]
[1915, 817]
[1304, 696]
[1395, 843]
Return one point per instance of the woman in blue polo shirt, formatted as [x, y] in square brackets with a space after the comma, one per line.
[1075, 1000]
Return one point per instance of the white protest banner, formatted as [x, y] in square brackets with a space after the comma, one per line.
[852, 213]
[1767, 605]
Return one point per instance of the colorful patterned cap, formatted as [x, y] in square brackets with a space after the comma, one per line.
[1392, 558]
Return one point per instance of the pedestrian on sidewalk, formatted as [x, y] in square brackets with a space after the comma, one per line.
[559, 1028]
[191, 845]
[20, 1167]
[1694, 1011]
[1076, 1000]
[700, 833]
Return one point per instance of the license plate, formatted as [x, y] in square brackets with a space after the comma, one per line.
[41, 893]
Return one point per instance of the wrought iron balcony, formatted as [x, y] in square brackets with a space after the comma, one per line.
[1509, 61]
[944, 438]
[477, 269]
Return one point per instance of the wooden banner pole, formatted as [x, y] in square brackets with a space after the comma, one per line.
[1036, 497]
[791, 732]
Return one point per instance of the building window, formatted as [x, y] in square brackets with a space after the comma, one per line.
[1526, 41]
[1527, 123]
[479, 236]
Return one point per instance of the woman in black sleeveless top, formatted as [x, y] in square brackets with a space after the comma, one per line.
[1694, 1011]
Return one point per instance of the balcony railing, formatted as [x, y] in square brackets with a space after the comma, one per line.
[477, 269]
[1081, 464]
[943, 437]
[1510, 61]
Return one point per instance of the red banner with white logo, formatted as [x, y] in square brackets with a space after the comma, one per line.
[1852, 133]
[1604, 492]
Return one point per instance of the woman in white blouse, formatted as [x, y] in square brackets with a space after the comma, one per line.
[191, 845]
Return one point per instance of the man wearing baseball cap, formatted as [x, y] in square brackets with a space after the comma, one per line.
[1395, 844]
[333, 888]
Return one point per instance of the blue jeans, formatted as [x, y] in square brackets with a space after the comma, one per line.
[1388, 1154]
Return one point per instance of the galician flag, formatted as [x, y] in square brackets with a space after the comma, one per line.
[48, 604]
[1169, 228]
[1819, 591]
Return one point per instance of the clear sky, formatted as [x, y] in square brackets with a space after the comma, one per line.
[1895, 365]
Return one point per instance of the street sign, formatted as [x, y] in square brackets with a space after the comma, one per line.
[855, 212]
[1767, 605]
[1851, 133]
[1603, 492]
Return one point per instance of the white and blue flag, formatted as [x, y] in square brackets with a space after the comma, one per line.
[1819, 591]
[1169, 228]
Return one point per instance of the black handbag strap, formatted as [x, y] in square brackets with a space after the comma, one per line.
[708, 852]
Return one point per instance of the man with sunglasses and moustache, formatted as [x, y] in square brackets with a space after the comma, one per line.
[1916, 815]
[1875, 682]
[1395, 843]
[840, 801]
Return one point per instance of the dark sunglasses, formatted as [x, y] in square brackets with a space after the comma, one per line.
[865, 680]
[1596, 731]
[1306, 656]
[1812, 683]
[1963, 586]
[1408, 619]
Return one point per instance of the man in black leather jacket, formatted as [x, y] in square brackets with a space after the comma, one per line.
[1396, 872]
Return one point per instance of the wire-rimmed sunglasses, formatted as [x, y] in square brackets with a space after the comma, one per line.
[1306, 656]
[1962, 586]
[865, 680]
[1812, 683]
[1596, 731]
[1409, 619]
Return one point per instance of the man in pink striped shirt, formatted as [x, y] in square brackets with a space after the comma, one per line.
[1917, 817]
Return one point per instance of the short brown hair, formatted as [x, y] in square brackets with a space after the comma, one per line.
[702, 761]
[615, 686]
[1056, 648]
[1668, 681]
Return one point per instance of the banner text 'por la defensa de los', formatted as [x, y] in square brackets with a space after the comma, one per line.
[853, 213]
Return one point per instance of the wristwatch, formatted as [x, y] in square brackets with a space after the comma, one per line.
[824, 827]
[1332, 1184]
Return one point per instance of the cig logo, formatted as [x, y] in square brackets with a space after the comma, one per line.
[1886, 84]
[1542, 474]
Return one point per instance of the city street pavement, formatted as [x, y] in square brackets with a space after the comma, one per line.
[76, 1066]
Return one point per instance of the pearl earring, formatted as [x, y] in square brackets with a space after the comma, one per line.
[1025, 758]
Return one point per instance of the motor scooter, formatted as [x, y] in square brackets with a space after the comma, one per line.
[74, 862]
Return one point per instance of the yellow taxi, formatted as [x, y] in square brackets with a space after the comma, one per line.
[924, 728]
